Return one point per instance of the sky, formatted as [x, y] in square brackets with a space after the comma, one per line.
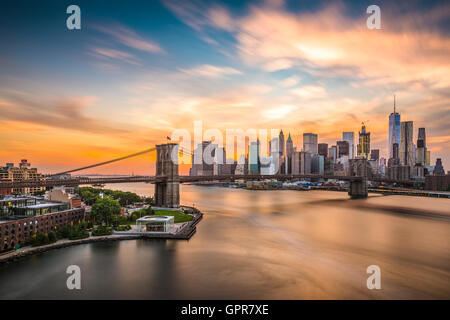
[138, 70]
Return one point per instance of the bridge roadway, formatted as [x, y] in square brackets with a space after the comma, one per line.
[182, 179]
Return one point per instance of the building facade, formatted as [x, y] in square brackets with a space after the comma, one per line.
[364, 143]
[350, 138]
[406, 150]
[310, 143]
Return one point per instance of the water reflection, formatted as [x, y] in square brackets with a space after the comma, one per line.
[260, 244]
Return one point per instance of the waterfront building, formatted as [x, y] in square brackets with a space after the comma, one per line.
[438, 168]
[322, 149]
[364, 143]
[406, 150]
[421, 150]
[317, 164]
[268, 165]
[310, 143]
[418, 171]
[254, 155]
[19, 230]
[301, 162]
[394, 131]
[398, 172]
[350, 138]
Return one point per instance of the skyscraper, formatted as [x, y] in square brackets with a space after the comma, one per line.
[421, 150]
[310, 143]
[301, 163]
[438, 168]
[289, 153]
[394, 130]
[281, 143]
[332, 153]
[364, 143]
[406, 151]
[323, 149]
[281, 159]
[343, 149]
[375, 154]
[350, 138]
[253, 155]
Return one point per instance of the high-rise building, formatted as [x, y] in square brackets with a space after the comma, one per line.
[203, 159]
[281, 143]
[281, 159]
[364, 143]
[394, 130]
[317, 164]
[438, 168]
[332, 153]
[323, 149]
[342, 149]
[301, 163]
[254, 157]
[289, 153]
[310, 143]
[350, 138]
[219, 165]
[375, 154]
[421, 150]
[427, 158]
[406, 150]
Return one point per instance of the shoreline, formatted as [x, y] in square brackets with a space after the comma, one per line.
[185, 233]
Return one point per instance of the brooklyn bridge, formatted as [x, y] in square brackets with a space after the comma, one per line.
[167, 179]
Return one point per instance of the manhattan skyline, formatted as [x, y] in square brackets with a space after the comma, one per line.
[135, 72]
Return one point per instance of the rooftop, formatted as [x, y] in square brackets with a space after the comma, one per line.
[155, 219]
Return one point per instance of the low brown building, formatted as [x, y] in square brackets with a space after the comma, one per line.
[437, 183]
[13, 232]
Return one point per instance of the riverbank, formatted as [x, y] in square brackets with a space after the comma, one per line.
[185, 233]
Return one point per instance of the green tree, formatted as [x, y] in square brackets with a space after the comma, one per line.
[104, 209]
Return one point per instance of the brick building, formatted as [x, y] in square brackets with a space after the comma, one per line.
[13, 232]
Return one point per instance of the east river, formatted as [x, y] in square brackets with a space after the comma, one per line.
[259, 245]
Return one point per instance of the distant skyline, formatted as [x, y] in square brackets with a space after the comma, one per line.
[138, 70]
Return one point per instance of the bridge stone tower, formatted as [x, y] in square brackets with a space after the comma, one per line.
[167, 192]
[358, 168]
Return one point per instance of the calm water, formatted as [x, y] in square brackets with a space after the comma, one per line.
[258, 244]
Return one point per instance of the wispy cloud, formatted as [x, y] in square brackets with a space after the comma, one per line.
[115, 54]
[211, 71]
[310, 92]
[130, 38]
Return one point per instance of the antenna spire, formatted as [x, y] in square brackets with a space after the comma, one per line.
[394, 103]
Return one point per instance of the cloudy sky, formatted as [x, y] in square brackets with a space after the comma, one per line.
[137, 70]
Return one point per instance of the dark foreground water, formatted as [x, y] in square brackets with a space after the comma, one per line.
[258, 244]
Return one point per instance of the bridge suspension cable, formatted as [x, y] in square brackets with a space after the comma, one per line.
[105, 162]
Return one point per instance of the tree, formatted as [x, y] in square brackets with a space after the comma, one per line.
[104, 209]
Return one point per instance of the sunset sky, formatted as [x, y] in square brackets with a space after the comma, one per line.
[137, 70]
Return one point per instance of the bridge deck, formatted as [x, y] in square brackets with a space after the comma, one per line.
[181, 179]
